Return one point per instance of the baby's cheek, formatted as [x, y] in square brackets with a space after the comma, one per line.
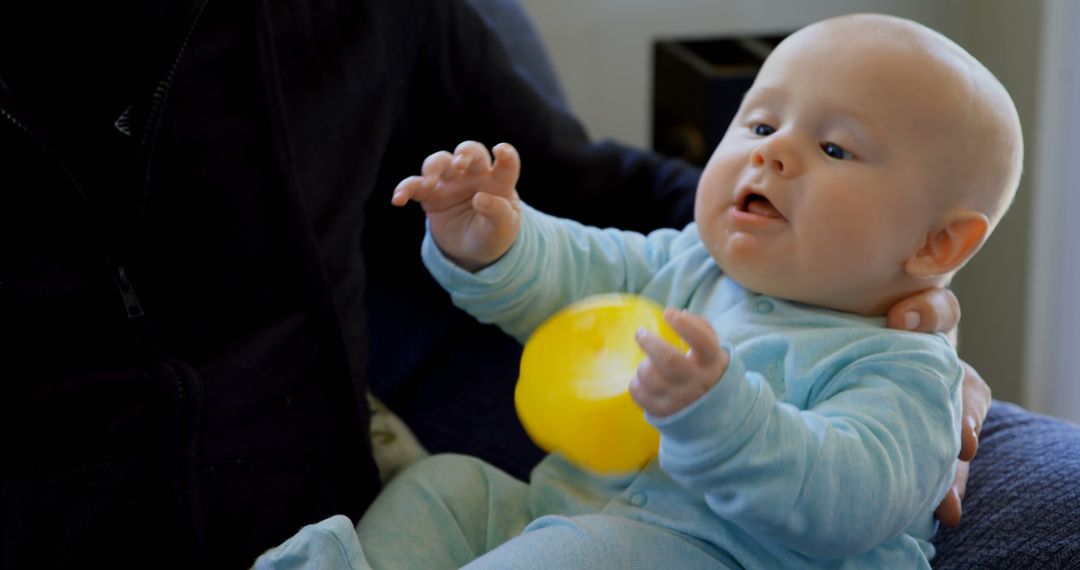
[842, 254]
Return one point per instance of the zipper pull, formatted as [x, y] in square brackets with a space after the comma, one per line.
[127, 293]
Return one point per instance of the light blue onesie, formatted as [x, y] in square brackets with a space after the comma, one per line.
[828, 442]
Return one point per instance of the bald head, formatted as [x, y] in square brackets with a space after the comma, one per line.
[973, 135]
[868, 161]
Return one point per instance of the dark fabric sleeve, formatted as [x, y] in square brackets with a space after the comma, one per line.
[1022, 506]
[488, 99]
[507, 18]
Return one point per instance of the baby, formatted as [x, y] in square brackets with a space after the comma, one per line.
[870, 160]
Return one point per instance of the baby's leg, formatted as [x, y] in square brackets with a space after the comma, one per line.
[443, 512]
[598, 541]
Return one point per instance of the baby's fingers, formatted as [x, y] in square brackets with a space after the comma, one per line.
[507, 165]
[419, 188]
[470, 157]
[649, 389]
[494, 207]
[436, 165]
[698, 334]
[669, 361]
[500, 218]
[657, 392]
[412, 188]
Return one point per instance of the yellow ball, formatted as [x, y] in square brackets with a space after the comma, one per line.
[572, 393]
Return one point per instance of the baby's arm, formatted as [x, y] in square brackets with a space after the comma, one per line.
[510, 265]
[471, 204]
[869, 460]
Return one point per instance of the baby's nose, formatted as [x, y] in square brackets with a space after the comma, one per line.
[758, 158]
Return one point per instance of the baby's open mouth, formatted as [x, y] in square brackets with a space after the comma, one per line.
[760, 206]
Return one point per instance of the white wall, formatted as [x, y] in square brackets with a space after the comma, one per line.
[602, 49]
[1054, 341]
[1005, 35]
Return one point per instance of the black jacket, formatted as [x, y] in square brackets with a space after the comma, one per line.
[183, 346]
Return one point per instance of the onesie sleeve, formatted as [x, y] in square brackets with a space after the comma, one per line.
[552, 263]
[867, 461]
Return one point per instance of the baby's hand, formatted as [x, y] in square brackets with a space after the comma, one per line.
[471, 204]
[668, 380]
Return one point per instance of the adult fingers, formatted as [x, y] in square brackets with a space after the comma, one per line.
[977, 399]
[951, 508]
[932, 310]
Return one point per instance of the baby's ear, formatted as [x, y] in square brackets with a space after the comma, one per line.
[950, 245]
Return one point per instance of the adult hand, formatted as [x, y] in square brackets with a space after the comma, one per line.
[937, 310]
[976, 405]
[929, 311]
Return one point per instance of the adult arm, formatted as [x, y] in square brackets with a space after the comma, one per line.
[484, 97]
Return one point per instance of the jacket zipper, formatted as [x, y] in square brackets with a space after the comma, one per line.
[132, 307]
[187, 477]
[41, 144]
[148, 135]
[124, 287]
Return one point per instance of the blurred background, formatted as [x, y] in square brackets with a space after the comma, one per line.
[656, 74]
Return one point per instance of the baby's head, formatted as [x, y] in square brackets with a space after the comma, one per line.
[870, 160]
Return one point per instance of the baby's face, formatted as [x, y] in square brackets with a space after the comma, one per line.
[825, 181]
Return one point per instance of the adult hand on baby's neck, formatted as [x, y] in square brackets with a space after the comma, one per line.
[935, 308]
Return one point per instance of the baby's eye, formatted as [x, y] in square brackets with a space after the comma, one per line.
[836, 151]
[762, 130]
